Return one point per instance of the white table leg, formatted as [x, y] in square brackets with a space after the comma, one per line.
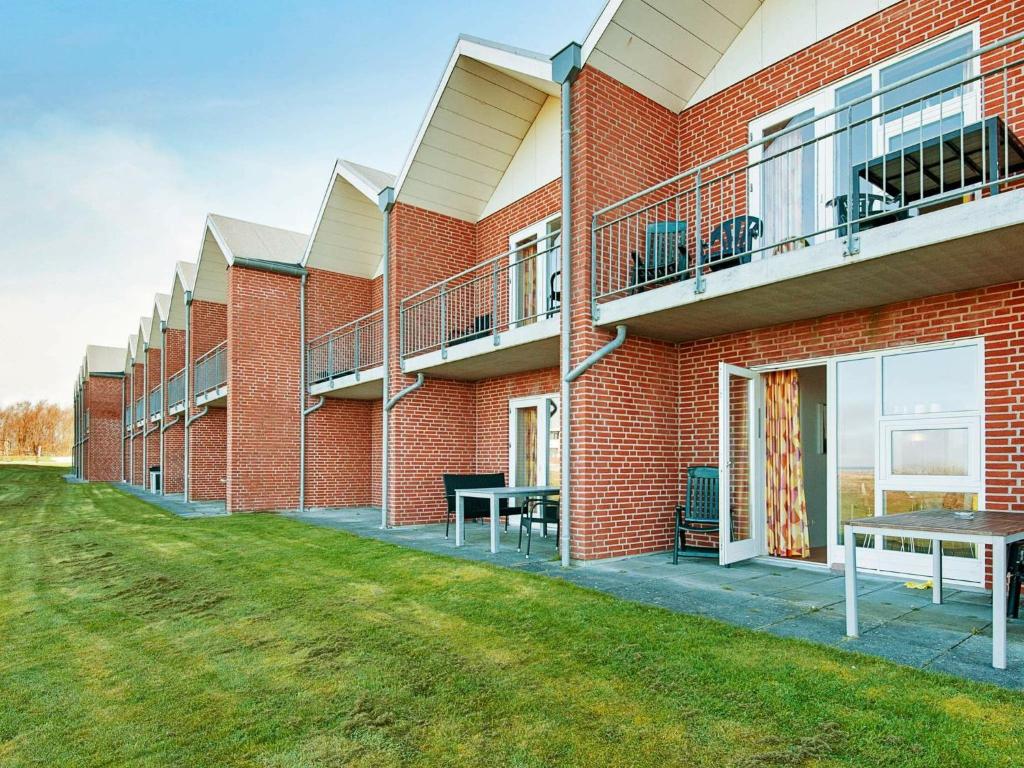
[460, 518]
[494, 524]
[850, 544]
[999, 604]
[937, 572]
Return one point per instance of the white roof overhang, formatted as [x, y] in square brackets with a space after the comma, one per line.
[161, 304]
[483, 107]
[99, 359]
[348, 234]
[184, 281]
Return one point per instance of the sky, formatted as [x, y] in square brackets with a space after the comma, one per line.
[123, 124]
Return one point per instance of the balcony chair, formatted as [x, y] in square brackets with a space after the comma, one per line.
[475, 509]
[874, 206]
[731, 242]
[699, 512]
[1015, 567]
[481, 327]
[544, 511]
[554, 292]
[664, 255]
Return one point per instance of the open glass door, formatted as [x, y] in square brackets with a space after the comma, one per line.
[740, 479]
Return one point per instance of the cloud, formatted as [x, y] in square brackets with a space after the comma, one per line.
[95, 218]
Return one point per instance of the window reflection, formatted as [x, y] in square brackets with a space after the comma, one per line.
[933, 381]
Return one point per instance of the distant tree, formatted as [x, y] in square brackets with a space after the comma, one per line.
[36, 429]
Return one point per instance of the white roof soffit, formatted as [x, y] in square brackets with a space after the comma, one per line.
[226, 239]
[144, 326]
[131, 352]
[161, 304]
[485, 102]
[184, 280]
[104, 359]
[347, 236]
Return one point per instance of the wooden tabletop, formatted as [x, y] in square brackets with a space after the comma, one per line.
[984, 523]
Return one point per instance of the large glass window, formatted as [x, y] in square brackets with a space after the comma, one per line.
[930, 451]
[856, 419]
[931, 381]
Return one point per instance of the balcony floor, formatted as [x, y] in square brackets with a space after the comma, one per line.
[954, 249]
[215, 398]
[897, 623]
[366, 385]
[528, 348]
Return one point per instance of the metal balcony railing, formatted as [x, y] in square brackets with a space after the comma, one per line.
[211, 370]
[154, 402]
[350, 348]
[128, 418]
[512, 290]
[176, 389]
[140, 413]
[934, 139]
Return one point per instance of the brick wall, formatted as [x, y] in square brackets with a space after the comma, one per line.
[137, 432]
[102, 398]
[153, 429]
[208, 435]
[174, 437]
[263, 390]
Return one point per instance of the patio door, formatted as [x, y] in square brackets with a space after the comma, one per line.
[741, 480]
[534, 441]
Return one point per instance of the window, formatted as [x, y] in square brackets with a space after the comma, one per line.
[928, 451]
[535, 272]
[930, 382]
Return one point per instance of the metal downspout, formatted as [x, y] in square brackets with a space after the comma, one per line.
[163, 397]
[565, 66]
[386, 201]
[597, 355]
[188, 391]
[303, 410]
[402, 393]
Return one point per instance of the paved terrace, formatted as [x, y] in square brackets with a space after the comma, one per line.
[897, 623]
[175, 502]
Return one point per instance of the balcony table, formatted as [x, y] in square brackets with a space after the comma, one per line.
[997, 529]
[494, 495]
[923, 169]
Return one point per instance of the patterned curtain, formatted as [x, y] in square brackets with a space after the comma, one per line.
[785, 501]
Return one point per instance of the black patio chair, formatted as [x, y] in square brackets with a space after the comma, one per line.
[1015, 567]
[664, 256]
[475, 509]
[699, 512]
[481, 327]
[731, 242]
[544, 511]
[555, 291]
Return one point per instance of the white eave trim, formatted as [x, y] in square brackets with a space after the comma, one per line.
[597, 29]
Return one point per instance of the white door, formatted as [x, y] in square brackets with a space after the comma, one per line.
[534, 441]
[741, 481]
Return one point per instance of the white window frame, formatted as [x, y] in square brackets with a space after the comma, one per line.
[968, 483]
[539, 231]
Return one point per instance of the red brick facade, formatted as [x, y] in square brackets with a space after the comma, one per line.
[101, 454]
[173, 467]
[152, 429]
[208, 435]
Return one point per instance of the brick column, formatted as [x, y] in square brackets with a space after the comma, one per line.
[208, 435]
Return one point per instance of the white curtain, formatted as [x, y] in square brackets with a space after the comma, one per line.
[781, 192]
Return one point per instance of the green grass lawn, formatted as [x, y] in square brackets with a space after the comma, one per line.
[132, 637]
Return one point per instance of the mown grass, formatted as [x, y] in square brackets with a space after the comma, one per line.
[131, 637]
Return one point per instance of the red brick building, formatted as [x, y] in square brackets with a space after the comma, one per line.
[97, 415]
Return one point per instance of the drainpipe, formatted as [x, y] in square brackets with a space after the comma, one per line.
[386, 201]
[188, 390]
[607, 349]
[303, 410]
[163, 397]
[407, 391]
[565, 65]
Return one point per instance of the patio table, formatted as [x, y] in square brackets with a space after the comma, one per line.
[996, 529]
[494, 495]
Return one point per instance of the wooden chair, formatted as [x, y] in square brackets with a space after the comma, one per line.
[699, 512]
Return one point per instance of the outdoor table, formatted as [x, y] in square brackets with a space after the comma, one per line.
[494, 495]
[983, 152]
[997, 529]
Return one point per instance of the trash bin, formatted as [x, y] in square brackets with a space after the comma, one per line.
[154, 479]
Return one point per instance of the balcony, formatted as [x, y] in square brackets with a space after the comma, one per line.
[348, 362]
[128, 420]
[154, 404]
[210, 377]
[769, 233]
[498, 317]
[176, 393]
[140, 413]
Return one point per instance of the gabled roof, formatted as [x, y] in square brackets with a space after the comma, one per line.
[226, 239]
[130, 353]
[483, 107]
[144, 326]
[103, 359]
[347, 236]
[678, 52]
[184, 280]
[161, 304]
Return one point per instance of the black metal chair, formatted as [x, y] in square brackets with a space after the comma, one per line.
[1015, 567]
[731, 242]
[544, 511]
[555, 291]
[699, 512]
[475, 509]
